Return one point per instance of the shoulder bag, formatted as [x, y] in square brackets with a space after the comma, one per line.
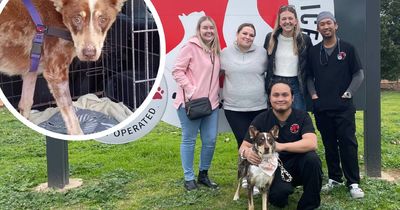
[199, 107]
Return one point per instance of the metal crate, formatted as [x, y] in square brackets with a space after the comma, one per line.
[125, 72]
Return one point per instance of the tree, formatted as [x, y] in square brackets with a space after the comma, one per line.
[390, 39]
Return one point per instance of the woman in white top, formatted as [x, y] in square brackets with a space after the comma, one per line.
[244, 96]
[287, 51]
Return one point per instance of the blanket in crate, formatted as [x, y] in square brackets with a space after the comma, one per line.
[94, 114]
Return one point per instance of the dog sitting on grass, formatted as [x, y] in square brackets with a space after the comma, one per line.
[260, 175]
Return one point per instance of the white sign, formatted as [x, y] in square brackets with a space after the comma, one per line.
[144, 122]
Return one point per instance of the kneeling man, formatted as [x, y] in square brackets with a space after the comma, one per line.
[296, 145]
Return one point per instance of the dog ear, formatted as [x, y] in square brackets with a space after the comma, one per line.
[253, 132]
[118, 4]
[274, 131]
[58, 4]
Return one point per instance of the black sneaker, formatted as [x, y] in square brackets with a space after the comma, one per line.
[190, 185]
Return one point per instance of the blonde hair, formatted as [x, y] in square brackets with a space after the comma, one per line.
[214, 45]
[278, 29]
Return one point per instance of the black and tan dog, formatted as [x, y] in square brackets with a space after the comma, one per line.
[260, 175]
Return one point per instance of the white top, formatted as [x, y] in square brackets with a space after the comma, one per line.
[286, 62]
[244, 88]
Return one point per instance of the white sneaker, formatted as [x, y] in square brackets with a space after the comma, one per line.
[244, 184]
[256, 191]
[356, 191]
[331, 184]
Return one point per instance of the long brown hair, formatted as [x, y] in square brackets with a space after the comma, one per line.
[214, 45]
[278, 29]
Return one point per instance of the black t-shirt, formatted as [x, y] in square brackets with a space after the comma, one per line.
[332, 75]
[297, 124]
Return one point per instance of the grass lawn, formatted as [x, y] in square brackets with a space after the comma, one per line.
[146, 174]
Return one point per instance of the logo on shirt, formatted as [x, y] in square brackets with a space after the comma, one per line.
[341, 56]
[295, 128]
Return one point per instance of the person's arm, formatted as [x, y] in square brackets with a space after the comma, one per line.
[356, 71]
[356, 81]
[266, 41]
[180, 69]
[310, 76]
[246, 152]
[306, 144]
[311, 88]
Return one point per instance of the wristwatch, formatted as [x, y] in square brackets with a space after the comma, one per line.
[242, 157]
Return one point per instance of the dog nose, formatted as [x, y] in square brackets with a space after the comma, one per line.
[89, 52]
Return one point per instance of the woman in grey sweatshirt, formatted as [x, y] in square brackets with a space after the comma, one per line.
[244, 65]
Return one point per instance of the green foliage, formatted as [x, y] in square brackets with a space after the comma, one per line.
[147, 174]
[390, 123]
[390, 39]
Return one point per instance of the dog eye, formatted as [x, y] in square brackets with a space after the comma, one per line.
[77, 20]
[102, 20]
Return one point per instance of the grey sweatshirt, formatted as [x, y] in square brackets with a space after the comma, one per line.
[244, 88]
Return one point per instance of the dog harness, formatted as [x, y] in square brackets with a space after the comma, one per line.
[41, 31]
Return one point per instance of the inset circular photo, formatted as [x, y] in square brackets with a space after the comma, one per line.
[78, 70]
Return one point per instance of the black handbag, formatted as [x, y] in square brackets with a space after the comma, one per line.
[199, 107]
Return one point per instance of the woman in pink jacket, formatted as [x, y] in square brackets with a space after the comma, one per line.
[196, 71]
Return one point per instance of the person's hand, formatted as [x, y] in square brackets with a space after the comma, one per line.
[189, 93]
[314, 96]
[251, 156]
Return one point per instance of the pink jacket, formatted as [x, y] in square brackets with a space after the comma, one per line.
[192, 72]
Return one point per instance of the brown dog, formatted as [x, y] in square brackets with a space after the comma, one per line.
[88, 22]
[262, 175]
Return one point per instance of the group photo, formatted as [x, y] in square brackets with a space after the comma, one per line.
[222, 104]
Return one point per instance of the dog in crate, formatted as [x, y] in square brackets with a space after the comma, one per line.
[55, 31]
[260, 175]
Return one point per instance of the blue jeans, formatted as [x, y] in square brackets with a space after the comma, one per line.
[208, 127]
[299, 102]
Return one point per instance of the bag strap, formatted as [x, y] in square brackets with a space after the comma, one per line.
[212, 58]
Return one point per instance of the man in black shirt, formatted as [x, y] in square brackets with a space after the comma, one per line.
[335, 73]
[296, 146]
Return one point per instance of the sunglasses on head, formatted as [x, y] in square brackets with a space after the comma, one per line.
[284, 7]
